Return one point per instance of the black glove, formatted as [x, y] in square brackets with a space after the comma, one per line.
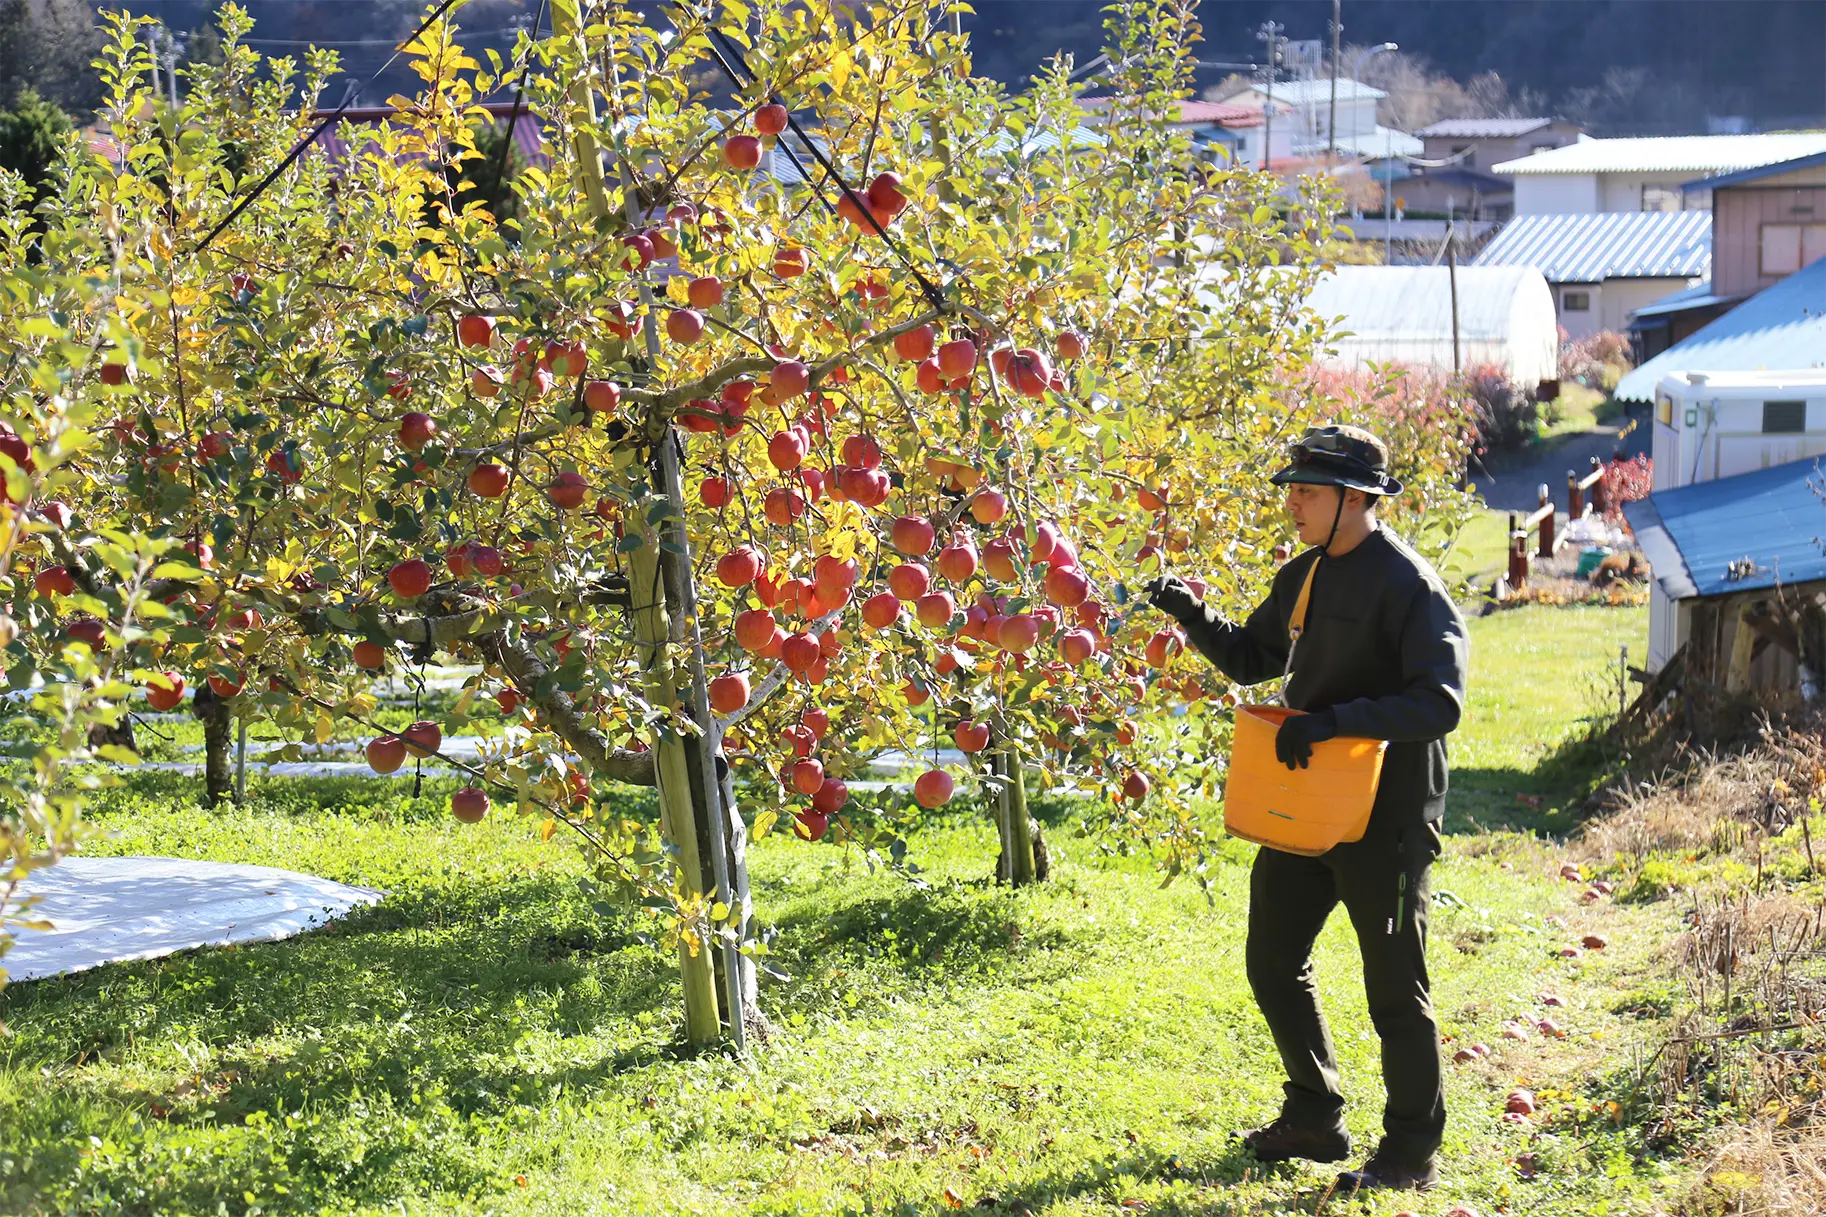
[1293, 742]
[1170, 595]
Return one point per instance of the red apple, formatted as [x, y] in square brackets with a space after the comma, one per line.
[739, 566]
[476, 330]
[933, 788]
[416, 430]
[1030, 372]
[370, 655]
[214, 445]
[54, 581]
[999, 560]
[881, 610]
[1135, 786]
[789, 263]
[909, 581]
[916, 694]
[509, 700]
[912, 535]
[487, 559]
[469, 805]
[782, 506]
[685, 326]
[935, 610]
[831, 796]
[113, 373]
[789, 379]
[787, 449]
[806, 776]
[989, 506]
[957, 359]
[957, 561]
[1018, 633]
[399, 385]
[915, 345]
[754, 629]
[1067, 586]
[224, 687]
[489, 480]
[410, 579]
[1163, 646]
[713, 492]
[928, 377]
[1077, 645]
[285, 465]
[799, 652]
[485, 382]
[386, 753]
[810, 825]
[601, 396]
[885, 196]
[770, 119]
[567, 490]
[1072, 345]
[815, 720]
[706, 291]
[742, 151]
[971, 736]
[729, 693]
[165, 691]
[423, 738]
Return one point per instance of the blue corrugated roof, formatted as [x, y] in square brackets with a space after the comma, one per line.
[1606, 245]
[1736, 534]
[1780, 328]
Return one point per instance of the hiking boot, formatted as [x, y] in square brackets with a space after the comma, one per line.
[1384, 1171]
[1283, 1139]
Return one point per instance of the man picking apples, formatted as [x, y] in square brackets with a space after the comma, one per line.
[1381, 656]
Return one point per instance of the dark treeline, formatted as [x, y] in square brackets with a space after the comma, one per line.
[1620, 66]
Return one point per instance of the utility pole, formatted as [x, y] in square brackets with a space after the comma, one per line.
[1270, 34]
[152, 45]
[1331, 118]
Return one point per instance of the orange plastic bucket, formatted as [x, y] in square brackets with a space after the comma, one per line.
[1299, 811]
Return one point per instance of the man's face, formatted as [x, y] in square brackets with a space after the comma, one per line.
[1313, 509]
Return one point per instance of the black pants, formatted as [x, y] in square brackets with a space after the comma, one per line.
[1290, 897]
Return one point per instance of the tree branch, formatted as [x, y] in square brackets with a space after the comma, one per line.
[561, 714]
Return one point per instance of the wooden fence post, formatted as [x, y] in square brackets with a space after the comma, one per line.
[1599, 504]
[1575, 498]
[1546, 514]
[1518, 555]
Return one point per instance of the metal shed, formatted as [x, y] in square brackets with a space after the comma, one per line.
[1404, 314]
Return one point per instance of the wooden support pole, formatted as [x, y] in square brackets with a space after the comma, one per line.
[1543, 516]
[1575, 496]
[1595, 479]
[653, 629]
[1743, 650]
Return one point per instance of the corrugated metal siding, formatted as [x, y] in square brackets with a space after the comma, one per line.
[1606, 245]
[1780, 328]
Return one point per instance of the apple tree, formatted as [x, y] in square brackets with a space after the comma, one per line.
[837, 412]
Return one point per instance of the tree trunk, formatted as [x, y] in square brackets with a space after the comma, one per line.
[1016, 829]
[218, 725]
[120, 735]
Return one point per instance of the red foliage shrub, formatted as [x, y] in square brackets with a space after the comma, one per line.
[1625, 481]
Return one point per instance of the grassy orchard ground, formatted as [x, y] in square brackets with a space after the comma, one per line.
[485, 1042]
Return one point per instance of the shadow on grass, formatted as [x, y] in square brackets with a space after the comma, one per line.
[1108, 1180]
[1549, 799]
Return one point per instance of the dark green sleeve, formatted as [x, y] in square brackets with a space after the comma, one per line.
[1249, 653]
[1434, 651]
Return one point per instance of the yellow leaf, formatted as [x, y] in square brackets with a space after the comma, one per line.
[326, 727]
[547, 828]
[764, 823]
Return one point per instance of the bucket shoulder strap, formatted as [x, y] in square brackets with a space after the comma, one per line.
[1296, 624]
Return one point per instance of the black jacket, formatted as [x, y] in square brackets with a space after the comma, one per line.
[1384, 648]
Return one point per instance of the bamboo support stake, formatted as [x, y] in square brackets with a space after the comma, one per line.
[652, 623]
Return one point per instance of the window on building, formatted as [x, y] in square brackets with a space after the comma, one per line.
[1664, 409]
[1784, 417]
[1575, 302]
[1661, 198]
[1788, 247]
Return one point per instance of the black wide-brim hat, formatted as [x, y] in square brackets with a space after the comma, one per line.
[1339, 456]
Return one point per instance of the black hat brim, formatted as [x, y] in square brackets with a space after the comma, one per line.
[1311, 473]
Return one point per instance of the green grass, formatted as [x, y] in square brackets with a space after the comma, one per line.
[486, 1041]
[1480, 552]
[1576, 410]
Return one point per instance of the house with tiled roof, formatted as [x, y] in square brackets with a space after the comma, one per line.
[1221, 131]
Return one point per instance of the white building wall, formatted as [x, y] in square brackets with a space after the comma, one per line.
[1556, 194]
[1624, 296]
[1623, 191]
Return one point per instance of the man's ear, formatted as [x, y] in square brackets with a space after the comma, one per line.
[1357, 500]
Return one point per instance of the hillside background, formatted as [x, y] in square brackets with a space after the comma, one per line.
[1620, 66]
